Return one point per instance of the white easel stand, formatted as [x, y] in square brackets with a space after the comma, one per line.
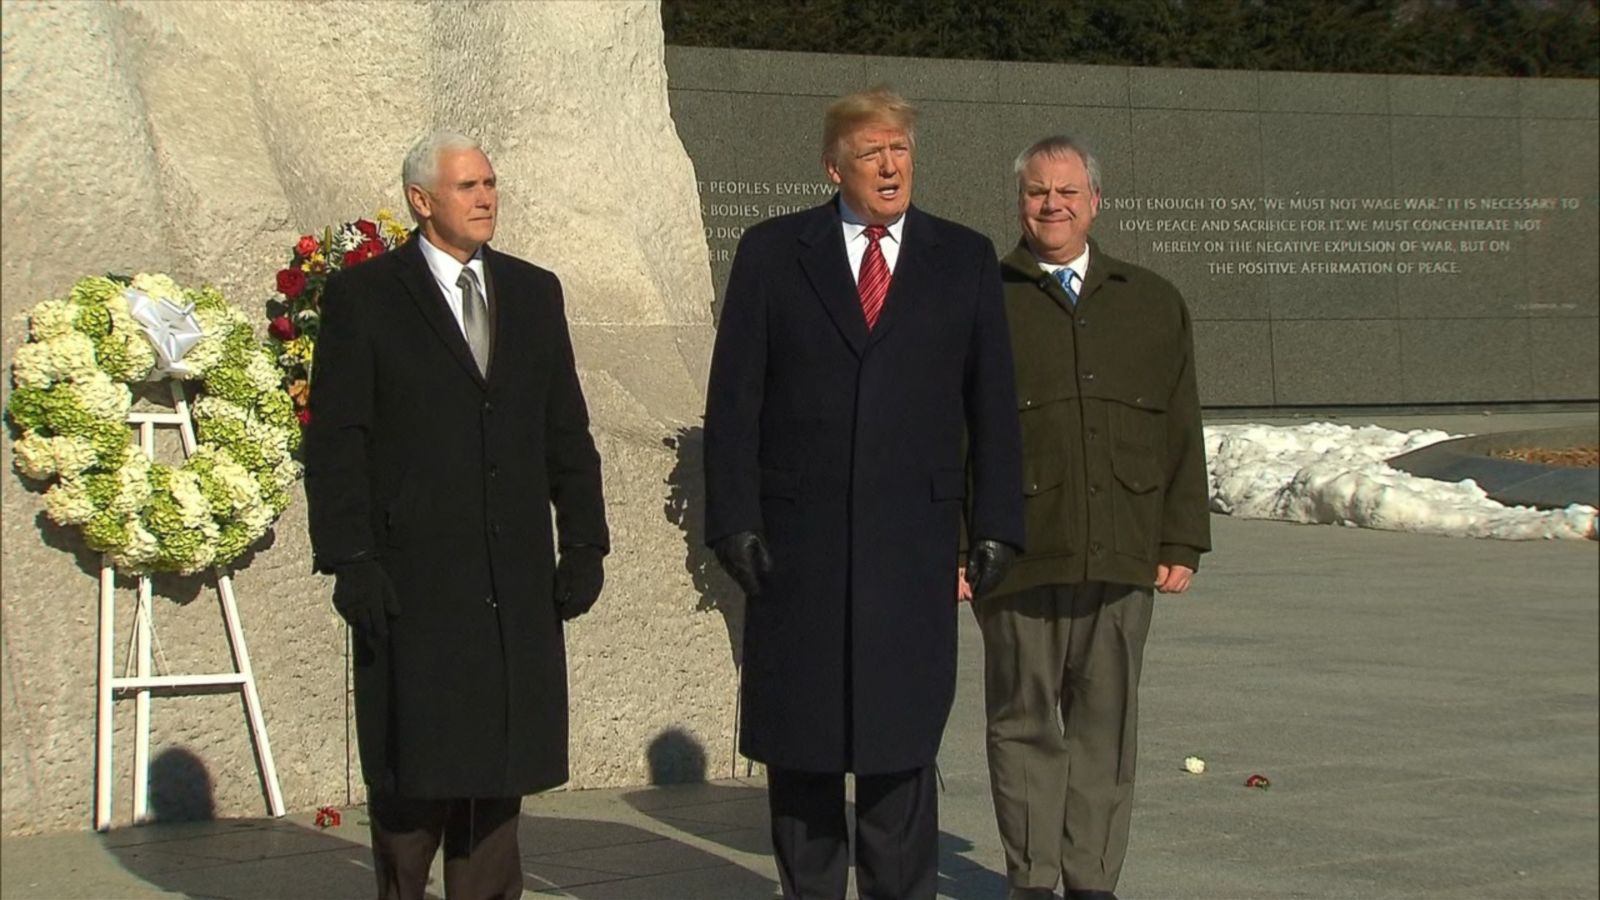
[143, 683]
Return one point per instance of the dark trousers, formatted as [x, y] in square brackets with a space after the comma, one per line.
[897, 834]
[481, 858]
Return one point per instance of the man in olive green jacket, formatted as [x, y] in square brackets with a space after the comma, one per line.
[1115, 484]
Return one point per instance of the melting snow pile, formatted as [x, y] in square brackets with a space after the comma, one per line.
[1336, 474]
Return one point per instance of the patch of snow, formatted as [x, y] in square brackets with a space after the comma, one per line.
[1336, 474]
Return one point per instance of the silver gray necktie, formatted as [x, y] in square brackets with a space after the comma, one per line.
[475, 318]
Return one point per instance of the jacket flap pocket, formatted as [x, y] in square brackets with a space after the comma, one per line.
[1137, 471]
[780, 483]
[949, 484]
[1033, 396]
[1040, 475]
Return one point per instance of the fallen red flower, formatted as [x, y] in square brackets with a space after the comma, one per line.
[1257, 781]
[327, 817]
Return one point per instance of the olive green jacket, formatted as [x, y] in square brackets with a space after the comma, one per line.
[1114, 455]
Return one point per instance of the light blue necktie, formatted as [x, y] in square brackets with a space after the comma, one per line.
[1067, 277]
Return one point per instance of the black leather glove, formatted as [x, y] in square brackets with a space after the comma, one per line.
[365, 598]
[579, 576]
[744, 556]
[987, 563]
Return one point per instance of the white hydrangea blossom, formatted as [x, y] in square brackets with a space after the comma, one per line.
[103, 398]
[52, 319]
[33, 366]
[257, 520]
[133, 483]
[208, 352]
[192, 505]
[212, 407]
[158, 285]
[273, 442]
[263, 374]
[72, 356]
[35, 456]
[141, 550]
[286, 473]
[74, 455]
[236, 480]
[67, 502]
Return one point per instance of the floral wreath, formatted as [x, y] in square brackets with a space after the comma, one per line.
[295, 320]
[71, 400]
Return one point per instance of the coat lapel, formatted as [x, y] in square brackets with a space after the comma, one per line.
[823, 258]
[914, 273]
[1096, 276]
[424, 292]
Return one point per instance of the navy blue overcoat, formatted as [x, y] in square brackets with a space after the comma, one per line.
[844, 448]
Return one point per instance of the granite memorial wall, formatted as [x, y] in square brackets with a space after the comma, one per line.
[1341, 239]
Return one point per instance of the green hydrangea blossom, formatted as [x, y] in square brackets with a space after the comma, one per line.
[105, 532]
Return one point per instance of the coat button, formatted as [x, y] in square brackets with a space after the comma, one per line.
[1088, 376]
[494, 529]
[487, 407]
[1092, 433]
[489, 601]
[1094, 489]
[493, 470]
[1083, 323]
[1033, 487]
[1095, 548]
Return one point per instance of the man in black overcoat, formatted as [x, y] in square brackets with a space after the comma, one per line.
[859, 342]
[446, 419]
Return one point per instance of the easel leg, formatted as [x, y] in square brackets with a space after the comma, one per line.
[252, 700]
[102, 732]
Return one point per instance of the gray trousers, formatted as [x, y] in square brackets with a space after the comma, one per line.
[1061, 682]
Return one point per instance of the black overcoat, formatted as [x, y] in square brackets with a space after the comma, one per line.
[844, 448]
[448, 478]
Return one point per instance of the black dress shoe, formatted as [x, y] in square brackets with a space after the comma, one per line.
[1073, 894]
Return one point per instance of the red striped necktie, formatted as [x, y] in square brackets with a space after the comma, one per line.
[873, 283]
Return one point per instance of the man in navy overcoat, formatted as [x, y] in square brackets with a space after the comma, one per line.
[860, 343]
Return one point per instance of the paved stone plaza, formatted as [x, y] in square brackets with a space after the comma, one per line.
[1425, 707]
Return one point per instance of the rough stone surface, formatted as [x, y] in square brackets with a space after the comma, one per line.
[200, 138]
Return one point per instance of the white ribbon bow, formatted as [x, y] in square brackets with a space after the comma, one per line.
[171, 329]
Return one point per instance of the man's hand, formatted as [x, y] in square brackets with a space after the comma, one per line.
[744, 556]
[365, 598]
[579, 576]
[1172, 579]
[963, 589]
[987, 563]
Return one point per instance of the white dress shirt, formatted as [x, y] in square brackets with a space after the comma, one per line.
[855, 239]
[446, 270]
[1079, 267]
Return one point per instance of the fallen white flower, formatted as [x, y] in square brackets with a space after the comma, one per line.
[1194, 765]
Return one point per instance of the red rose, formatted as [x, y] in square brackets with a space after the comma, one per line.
[304, 416]
[282, 328]
[291, 282]
[306, 246]
[364, 251]
[367, 228]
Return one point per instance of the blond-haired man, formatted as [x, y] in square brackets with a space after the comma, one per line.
[858, 341]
